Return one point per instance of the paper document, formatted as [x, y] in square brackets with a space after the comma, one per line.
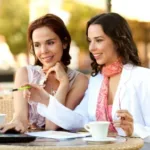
[59, 134]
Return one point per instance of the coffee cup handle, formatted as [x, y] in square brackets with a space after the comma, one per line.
[87, 127]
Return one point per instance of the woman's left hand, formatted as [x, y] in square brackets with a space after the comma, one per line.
[125, 122]
[36, 93]
[59, 70]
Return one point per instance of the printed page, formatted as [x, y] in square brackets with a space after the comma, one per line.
[58, 134]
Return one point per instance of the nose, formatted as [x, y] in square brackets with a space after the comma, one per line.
[44, 49]
[92, 46]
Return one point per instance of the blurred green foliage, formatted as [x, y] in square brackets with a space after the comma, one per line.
[14, 18]
[80, 14]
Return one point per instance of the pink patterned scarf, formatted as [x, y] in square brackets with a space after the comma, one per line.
[102, 103]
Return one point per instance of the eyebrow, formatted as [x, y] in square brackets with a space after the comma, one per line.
[53, 39]
[95, 37]
[98, 37]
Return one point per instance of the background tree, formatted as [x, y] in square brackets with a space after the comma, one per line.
[14, 18]
[79, 15]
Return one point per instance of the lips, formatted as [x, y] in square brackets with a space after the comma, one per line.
[47, 58]
[96, 56]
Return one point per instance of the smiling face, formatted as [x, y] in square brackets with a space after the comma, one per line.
[101, 46]
[47, 46]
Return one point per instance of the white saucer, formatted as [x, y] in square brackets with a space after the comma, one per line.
[108, 139]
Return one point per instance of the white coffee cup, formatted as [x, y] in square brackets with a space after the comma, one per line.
[2, 118]
[98, 129]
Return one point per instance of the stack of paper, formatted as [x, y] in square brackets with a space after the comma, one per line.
[59, 134]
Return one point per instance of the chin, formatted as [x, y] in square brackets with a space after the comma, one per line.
[100, 62]
[48, 65]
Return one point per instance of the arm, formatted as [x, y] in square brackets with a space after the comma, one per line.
[70, 99]
[74, 96]
[142, 127]
[77, 91]
[20, 117]
[136, 101]
[65, 117]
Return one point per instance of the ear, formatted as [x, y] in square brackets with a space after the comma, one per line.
[115, 46]
[65, 45]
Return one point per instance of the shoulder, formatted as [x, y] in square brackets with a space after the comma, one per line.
[75, 75]
[137, 75]
[136, 69]
[21, 70]
[21, 75]
[141, 72]
[82, 78]
[78, 78]
[34, 68]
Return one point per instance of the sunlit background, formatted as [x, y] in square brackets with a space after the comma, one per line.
[17, 14]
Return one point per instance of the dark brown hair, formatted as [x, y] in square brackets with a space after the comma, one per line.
[117, 28]
[56, 24]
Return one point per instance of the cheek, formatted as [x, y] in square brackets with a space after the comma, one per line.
[59, 53]
[37, 53]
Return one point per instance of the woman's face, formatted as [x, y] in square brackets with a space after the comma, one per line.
[47, 46]
[101, 45]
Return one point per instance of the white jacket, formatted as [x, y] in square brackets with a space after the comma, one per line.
[133, 91]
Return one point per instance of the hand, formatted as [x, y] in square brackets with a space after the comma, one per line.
[15, 124]
[125, 122]
[36, 93]
[60, 73]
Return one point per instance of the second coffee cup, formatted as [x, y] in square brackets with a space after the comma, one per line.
[98, 129]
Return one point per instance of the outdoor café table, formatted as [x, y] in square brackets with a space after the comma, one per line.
[75, 144]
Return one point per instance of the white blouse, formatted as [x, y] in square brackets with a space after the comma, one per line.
[134, 94]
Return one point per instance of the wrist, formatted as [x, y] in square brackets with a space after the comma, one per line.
[65, 82]
[46, 100]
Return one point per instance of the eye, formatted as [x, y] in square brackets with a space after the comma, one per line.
[50, 42]
[36, 44]
[88, 41]
[99, 40]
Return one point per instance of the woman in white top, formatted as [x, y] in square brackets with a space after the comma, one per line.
[49, 41]
[118, 90]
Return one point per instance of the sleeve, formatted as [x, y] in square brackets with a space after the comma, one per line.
[64, 117]
[142, 129]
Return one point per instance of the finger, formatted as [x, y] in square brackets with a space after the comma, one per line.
[2, 126]
[63, 66]
[123, 123]
[126, 122]
[125, 115]
[127, 129]
[116, 124]
[7, 127]
[122, 111]
[26, 94]
[19, 128]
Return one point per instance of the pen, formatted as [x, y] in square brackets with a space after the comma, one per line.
[21, 88]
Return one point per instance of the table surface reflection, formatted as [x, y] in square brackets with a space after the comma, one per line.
[75, 144]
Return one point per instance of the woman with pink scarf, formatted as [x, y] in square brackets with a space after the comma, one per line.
[118, 90]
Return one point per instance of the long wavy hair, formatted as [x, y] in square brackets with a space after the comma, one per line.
[56, 24]
[117, 28]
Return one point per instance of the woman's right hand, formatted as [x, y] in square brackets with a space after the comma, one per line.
[15, 124]
[36, 93]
